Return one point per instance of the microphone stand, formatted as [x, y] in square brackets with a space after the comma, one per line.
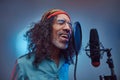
[109, 62]
[75, 65]
[111, 66]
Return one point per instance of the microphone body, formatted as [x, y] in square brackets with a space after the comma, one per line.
[94, 48]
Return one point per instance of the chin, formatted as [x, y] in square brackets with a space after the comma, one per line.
[61, 46]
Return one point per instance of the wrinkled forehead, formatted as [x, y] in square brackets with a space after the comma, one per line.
[53, 12]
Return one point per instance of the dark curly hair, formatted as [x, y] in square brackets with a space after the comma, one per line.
[39, 42]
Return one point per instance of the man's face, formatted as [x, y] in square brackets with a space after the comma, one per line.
[62, 30]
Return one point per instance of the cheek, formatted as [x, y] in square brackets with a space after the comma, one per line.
[55, 33]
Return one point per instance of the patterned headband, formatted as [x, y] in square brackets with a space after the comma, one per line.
[52, 13]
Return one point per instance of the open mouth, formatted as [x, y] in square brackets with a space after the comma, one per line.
[65, 37]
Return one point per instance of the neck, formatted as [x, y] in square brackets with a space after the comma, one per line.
[55, 55]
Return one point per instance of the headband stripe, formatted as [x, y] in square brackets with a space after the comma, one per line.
[56, 13]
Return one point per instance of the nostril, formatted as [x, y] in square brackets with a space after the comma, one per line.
[67, 30]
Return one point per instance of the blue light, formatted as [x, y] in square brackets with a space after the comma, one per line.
[21, 43]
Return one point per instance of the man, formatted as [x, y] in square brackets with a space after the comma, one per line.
[50, 49]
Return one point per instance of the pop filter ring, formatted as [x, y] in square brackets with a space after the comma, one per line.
[77, 34]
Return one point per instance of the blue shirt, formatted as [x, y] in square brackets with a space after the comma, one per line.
[47, 70]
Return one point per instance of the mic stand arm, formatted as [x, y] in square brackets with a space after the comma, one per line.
[110, 62]
[111, 66]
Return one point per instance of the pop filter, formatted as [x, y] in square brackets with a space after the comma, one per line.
[77, 36]
[77, 42]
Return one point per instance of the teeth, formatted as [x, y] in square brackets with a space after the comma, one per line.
[65, 36]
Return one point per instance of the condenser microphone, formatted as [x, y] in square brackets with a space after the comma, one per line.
[96, 50]
[94, 46]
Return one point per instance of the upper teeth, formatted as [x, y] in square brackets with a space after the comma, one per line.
[66, 36]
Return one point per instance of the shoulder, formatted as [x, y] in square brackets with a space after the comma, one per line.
[24, 59]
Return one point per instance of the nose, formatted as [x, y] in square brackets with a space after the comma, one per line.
[67, 28]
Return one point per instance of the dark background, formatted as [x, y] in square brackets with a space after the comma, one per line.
[16, 15]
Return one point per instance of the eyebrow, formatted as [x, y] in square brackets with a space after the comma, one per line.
[64, 19]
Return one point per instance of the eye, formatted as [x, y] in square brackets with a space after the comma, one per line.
[61, 22]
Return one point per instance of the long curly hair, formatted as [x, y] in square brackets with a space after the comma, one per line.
[39, 42]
